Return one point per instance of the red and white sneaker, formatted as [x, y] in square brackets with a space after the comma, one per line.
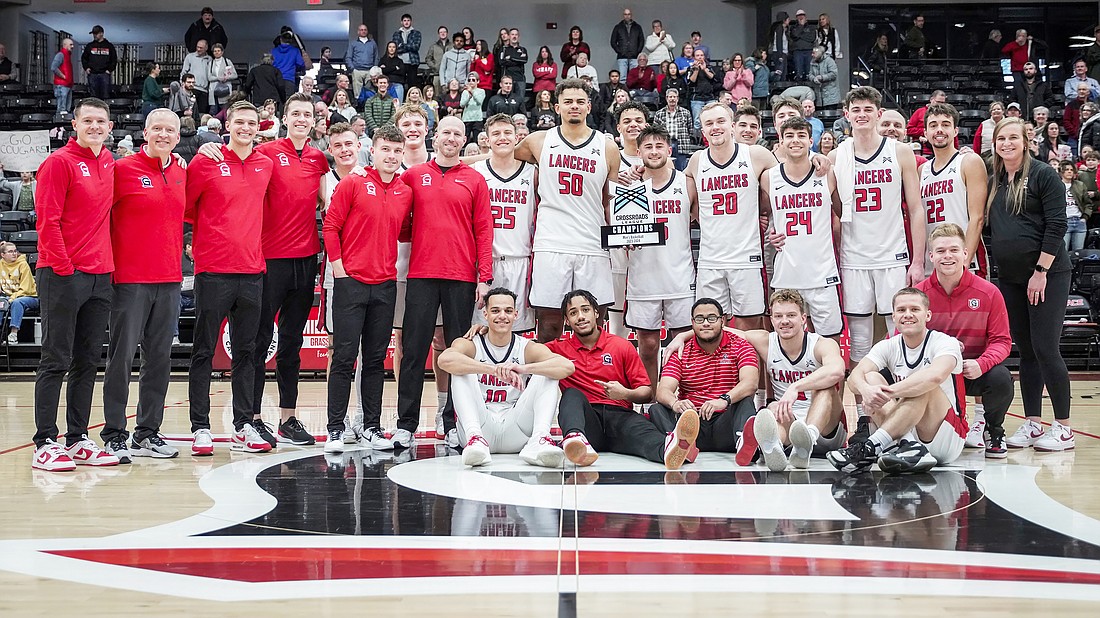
[248, 440]
[476, 452]
[88, 453]
[202, 445]
[680, 442]
[52, 457]
[578, 450]
[747, 444]
[1059, 438]
[1027, 435]
[975, 438]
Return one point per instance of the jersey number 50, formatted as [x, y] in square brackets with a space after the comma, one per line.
[571, 184]
[868, 200]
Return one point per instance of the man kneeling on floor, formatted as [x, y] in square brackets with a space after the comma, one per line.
[804, 370]
[714, 376]
[918, 412]
[596, 411]
[505, 389]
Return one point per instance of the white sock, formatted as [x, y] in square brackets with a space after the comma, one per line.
[859, 411]
[979, 412]
[815, 433]
[441, 400]
[761, 399]
[861, 331]
[882, 440]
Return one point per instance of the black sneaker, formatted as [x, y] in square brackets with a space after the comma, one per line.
[292, 430]
[117, 447]
[853, 458]
[908, 458]
[264, 430]
[862, 432]
[995, 446]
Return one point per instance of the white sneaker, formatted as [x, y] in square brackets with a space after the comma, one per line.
[476, 452]
[335, 441]
[202, 444]
[802, 445]
[439, 423]
[975, 438]
[1027, 435]
[88, 453]
[452, 438]
[402, 438]
[248, 440]
[52, 457]
[578, 450]
[351, 435]
[13, 338]
[176, 341]
[542, 451]
[375, 439]
[767, 436]
[1059, 438]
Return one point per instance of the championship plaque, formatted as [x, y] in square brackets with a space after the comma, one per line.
[632, 221]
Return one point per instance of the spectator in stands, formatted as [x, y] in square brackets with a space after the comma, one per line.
[450, 102]
[827, 37]
[318, 136]
[287, 58]
[573, 47]
[1089, 132]
[1012, 110]
[739, 79]
[1092, 55]
[362, 56]
[991, 49]
[514, 62]
[152, 93]
[22, 190]
[341, 104]
[9, 70]
[306, 87]
[842, 129]
[190, 140]
[827, 143]
[343, 82]
[408, 41]
[456, 62]
[677, 121]
[611, 118]
[628, 40]
[542, 115]
[642, 77]
[205, 28]
[1071, 116]
[809, 108]
[187, 286]
[823, 75]
[1052, 147]
[222, 76]
[61, 67]
[379, 109]
[697, 43]
[394, 69]
[913, 44]
[704, 84]
[181, 98]
[915, 128]
[799, 93]
[17, 290]
[197, 63]
[659, 44]
[802, 35]
[983, 135]
[483, 62]
[99, 60]
[779, 45]
[1027, 215]
[1022, 51]
[1087, 176]
[761, 76]
[213, 130]
[264, 82]
[545, 70]
[1078, 206]
[434, 57]
[432, 103]
[686, 57]
[473, 112]
[1039, 117]
[607, 89]
[505, 101]
[325, 68]
[1081, 76]
[877, 58]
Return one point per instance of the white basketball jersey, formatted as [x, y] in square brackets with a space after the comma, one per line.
[875, 237]
[665, 271]
[784, 371]
[499, 396]
[943, 194]
[802, 209]
[894, 356]
[571, 194]
[729, 212]
[512, 201]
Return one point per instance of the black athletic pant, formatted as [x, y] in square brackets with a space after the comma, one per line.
[423, 299]
[239, 297]
[362, 319]
[289, 285]
[142, 314]
[995, 389]
[1036, 330]
[610, 429]
[75, 309]
[719, 433]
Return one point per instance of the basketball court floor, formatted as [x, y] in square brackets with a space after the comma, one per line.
[298, 532]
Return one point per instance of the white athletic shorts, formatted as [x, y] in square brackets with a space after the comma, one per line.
[619, 281]
[513, 273]
[650, 314]
[507, 430]
[740, 290]
[823, 307]
[399, 308]
[871, 291]
[946, 445]
[553, 275]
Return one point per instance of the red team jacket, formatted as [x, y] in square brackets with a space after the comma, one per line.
[974, 314]
[290, 223]
[147, 219]
[364, 219]
[73, 203]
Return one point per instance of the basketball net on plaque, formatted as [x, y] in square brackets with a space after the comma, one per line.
[632, 223]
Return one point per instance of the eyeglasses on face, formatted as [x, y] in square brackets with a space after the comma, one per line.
[709, 319]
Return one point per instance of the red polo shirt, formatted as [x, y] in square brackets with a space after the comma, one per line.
[612, 358]
[73, 202]
[290, 209]
[147, 219]
[705, 376]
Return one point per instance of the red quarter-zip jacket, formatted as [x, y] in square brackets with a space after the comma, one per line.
[73, 205]
[974, 314]
[225, 204]
[290, 220]
[147, 219]
[363, 222]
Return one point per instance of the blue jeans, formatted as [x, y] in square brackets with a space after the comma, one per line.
[99, 85]
[18, 307]
[625, 64]
[696, 109]
[64, 96]
[802, 58]
[400, 94]
[1075, 233]
[186, 302]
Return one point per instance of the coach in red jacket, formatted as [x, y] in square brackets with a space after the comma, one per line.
[972, 310]
[451, 265]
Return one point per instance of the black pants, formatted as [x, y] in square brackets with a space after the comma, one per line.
[289, 285]
[142, 314]
[423, 299]
[362, 319]
[719, 433]
[1036, 329]
[610, 428]
[239, 297]
[75, 310]
[995, 389]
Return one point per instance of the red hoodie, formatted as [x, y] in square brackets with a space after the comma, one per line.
[225, 203]
[73, 204]
[147, 219]
[974, 314]
[290, 219]
[364, 219]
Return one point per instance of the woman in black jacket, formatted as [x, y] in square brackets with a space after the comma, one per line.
[394, 68]
[1027, 214]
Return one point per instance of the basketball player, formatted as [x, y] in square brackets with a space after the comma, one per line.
[805, 370]
[575, 163]
[505, 388]
[361, 228]
[512, 190]
[73, 203]
[660, 278]
[632, 118]
[147, 240]
[747, 128]
[919, 413]
[225, 205]
[953, 185]
[802, 207]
